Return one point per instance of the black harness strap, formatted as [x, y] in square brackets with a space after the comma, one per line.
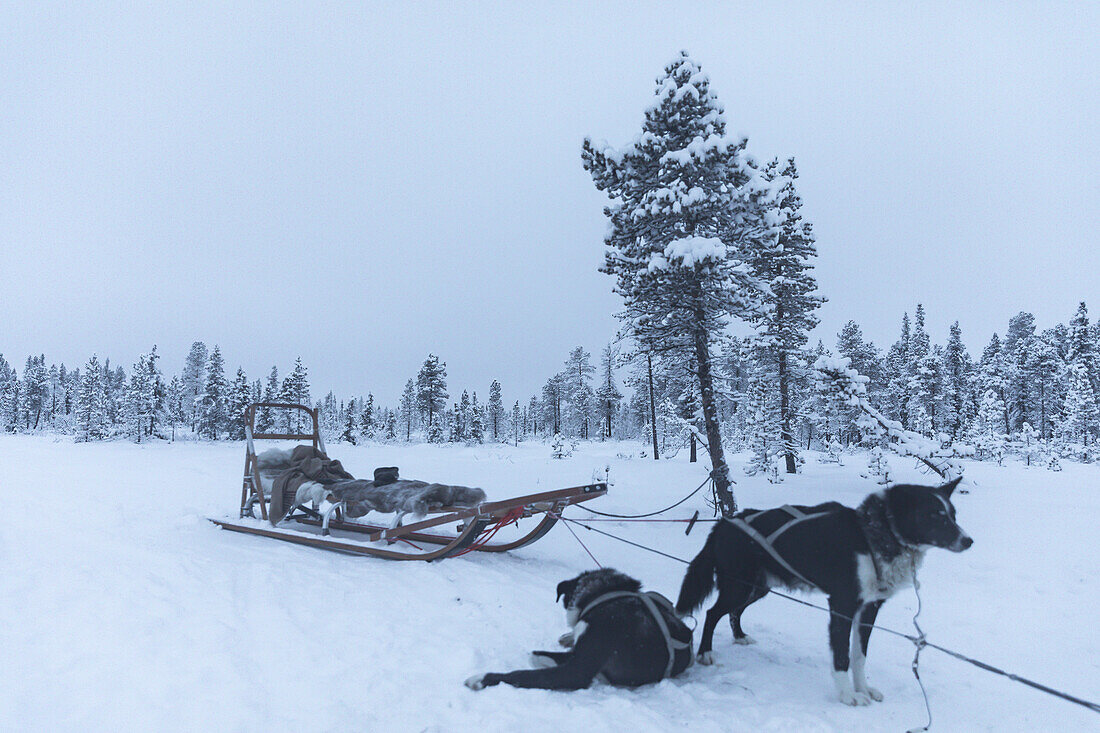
[797, 517]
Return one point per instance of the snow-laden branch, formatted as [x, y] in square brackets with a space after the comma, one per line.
[836, 380]
[688, 252]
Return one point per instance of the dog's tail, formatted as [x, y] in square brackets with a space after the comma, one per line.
[699, 580]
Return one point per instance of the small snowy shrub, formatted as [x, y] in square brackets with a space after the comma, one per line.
[878, 466]
[832, 453]
[559, 448]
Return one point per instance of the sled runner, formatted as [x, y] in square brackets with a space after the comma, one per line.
[449, 531]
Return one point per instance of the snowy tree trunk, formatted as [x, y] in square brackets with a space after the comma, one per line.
[1042, 411]
[652, 406]
[785, 412]
[720, 470]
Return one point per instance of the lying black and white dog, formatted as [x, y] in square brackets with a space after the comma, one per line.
[630, 637]
[858, 557]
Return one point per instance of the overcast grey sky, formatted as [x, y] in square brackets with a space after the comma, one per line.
[364, 183]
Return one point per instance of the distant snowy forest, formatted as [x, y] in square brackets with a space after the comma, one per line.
[700, 235]
[1027, 387]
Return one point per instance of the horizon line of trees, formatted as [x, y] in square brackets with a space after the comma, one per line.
[1027, 387]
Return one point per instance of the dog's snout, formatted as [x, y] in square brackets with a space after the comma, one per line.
[963, 542]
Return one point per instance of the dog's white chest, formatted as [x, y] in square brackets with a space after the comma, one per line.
[572, 617]
[884, 579]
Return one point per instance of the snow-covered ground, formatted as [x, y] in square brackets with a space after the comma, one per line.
[122, 608]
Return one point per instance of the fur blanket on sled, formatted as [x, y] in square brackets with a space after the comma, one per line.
[402, 496]
[283, 470]
[306, 476]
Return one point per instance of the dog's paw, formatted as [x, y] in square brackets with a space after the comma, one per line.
[873, 694]
[540, 661]
[706, 658]
[855, 699]
[477, 682]
[566, 640]
[744, 640]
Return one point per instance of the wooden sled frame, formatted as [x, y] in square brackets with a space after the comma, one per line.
[477, 524]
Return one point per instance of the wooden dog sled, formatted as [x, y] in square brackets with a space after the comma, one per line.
[471, 528]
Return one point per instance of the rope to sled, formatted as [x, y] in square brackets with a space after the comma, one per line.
[402, 539]
[659, 511]
[510, 518]
[681, 521]
[569, 521]
[919, 640]
[579, 541]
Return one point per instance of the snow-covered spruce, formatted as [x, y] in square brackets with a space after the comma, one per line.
[680, 218]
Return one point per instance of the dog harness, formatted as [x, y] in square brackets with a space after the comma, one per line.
[797, 517]
[649, 599]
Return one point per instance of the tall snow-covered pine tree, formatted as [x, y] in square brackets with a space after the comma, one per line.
[679, 217]
[784, 263]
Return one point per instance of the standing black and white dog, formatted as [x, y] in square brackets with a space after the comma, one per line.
[630, 637]
[858, 557]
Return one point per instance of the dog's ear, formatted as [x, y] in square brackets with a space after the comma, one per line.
[565, 588]
[949, 487]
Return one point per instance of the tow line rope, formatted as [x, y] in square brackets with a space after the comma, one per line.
[919, 640]
[511, 517]
[580, 542]
[689, 519]
[659, 511]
